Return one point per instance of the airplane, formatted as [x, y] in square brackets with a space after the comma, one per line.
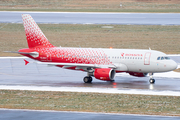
[103, 64]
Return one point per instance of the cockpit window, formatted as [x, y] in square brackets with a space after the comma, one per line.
[158, 58]
[163, 58]
[167, 58]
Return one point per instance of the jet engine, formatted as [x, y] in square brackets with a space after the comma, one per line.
[105, 74]
[138, 74]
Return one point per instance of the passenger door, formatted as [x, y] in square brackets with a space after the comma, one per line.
[147, 58]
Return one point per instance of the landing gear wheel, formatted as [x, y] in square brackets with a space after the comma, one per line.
[152, 81]
[87, 79]
[112, 81]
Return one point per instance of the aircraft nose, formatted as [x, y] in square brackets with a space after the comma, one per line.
[173, 65]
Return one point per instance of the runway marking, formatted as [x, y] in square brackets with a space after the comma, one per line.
[92, 90]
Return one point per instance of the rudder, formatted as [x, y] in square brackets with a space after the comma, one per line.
[34, 35]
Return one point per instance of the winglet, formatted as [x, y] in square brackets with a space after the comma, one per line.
[26, 62]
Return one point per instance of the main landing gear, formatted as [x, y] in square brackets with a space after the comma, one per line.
[87, 79]
[151, 80]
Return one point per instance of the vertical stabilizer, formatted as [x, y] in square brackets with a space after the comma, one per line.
[34, 35]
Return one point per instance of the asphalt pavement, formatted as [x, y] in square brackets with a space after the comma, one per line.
[9, 114]
[94, 18]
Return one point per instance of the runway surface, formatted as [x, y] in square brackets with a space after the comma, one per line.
[94, 18]
[13, 72]
[8, 114]
[16, 76]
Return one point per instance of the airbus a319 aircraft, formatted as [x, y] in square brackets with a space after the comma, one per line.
[103, 64]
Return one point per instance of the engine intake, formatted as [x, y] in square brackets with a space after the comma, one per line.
[105, 74]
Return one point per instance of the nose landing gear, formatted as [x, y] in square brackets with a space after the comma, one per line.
[151, 80]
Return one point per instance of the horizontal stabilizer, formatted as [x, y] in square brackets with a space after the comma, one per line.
[31, 53]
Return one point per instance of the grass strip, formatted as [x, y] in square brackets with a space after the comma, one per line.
[164, 6]
[157, 37]
[90, 102]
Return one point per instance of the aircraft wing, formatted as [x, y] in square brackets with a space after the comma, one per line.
[77, 65]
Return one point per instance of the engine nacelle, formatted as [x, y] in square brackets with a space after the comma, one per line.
[138, 74]
[105, 74]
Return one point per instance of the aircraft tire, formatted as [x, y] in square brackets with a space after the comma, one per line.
[87, 79]
[112, 81]
[152, 81]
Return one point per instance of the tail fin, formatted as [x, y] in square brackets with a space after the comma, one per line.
[34, 35]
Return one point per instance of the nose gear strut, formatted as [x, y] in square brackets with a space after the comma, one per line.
[151, 80]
